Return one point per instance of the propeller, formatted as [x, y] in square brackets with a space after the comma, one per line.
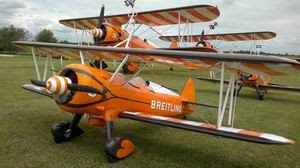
[101, 17]
[202, 36]
[98, 32]
[62, 85]
[202, 40]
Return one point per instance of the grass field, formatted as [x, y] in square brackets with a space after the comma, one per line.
[26, 118]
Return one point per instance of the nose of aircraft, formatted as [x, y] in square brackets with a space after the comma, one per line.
[97, 32]
[58, 85]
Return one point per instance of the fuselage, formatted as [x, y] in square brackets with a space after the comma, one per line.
[117, 96]
[253, 80]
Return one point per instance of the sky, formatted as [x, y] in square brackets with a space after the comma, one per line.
[279, 16]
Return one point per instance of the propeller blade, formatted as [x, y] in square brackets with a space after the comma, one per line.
[72, 87]
[202, 36]
[101, 17]
[38, 83]
[84, 88]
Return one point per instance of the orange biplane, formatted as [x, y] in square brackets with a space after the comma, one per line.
[105, 97]
[260, 81]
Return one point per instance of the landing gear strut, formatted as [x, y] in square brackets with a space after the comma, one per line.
[66, 131]
[116, 147]
[260, 94]
[237, 89]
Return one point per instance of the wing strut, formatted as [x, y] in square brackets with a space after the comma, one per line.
[35, 64]
[219, 122]
[47, 61]
[133, 76]
[131, 21]
[61, 62]
[229, 94]
[79, 43]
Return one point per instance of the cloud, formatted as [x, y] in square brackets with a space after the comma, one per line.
[8, 9]
[228, 3]
[236, 16]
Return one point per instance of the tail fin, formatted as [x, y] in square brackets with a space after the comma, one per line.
[174, 44]
[188, 95]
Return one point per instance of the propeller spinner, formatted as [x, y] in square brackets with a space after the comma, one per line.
[58, 85]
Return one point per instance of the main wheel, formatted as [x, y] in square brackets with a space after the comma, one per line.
[260, 95]
[118, 148]
[62, 133]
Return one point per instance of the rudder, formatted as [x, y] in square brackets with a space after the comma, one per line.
[188, 95]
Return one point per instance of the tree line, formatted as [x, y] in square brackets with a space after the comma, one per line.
[11, 33]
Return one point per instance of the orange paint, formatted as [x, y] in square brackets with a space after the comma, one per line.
[127, 148]
[252, 133]
[126, 97]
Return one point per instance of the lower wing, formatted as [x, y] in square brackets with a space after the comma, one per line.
[212, 80]
[280, 87]
[37, 89]
[227, 132]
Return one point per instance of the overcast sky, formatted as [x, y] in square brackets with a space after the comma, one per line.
[280, 16]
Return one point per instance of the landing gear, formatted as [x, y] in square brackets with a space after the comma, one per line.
[260, 94]
[125, 69]
[116, 147]
[237, 90]
[66, 131]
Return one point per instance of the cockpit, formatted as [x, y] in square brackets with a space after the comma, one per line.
[138, 81]
[154, 87]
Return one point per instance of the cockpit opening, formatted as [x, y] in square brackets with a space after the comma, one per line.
[154, 87]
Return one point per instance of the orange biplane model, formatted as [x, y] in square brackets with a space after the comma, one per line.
[260, 81]
[105, 97]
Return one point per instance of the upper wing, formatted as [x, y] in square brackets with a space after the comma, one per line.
[193, 14]
[265, 65]
[247, 36]
[227, 132]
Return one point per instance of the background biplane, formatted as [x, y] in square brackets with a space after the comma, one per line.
[261, 82]
[81, 89]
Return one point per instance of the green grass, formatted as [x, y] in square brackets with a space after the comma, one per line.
[26, 118]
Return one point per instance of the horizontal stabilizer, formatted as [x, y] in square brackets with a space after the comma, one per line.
[227, 132]
[37, 89]
[280, 87]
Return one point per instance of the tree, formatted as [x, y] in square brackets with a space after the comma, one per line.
[46, 36]
[10, 34]
[64, 42]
